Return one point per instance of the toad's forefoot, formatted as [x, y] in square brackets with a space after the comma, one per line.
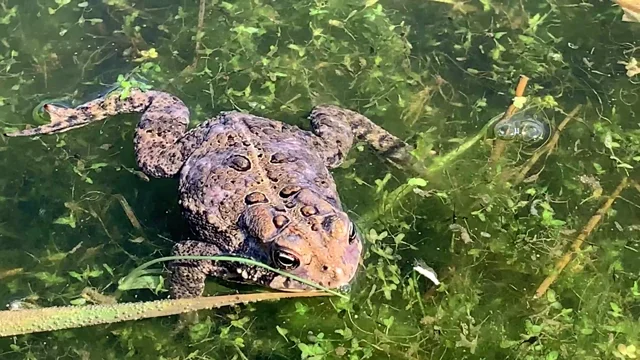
[62, 119]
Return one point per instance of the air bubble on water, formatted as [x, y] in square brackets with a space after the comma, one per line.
[523, 126]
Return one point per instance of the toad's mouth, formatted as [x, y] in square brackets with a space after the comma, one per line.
[295, 289]
[301, 287]
[287, 284]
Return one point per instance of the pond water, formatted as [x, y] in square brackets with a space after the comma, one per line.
[492, 218]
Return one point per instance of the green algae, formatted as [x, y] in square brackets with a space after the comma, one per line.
[438, 164]
[20, 322]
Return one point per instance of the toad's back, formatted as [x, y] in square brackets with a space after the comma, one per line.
[245, 160]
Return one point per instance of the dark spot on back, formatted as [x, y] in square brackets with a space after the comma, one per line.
[280, 221]
[308, 210]
[278, 158]
[327, 223]
[255, 197]
[289, 190]
[239, 163]
[273, 176]
[332, 200]
[321, 181]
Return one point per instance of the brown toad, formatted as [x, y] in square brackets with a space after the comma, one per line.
[249, 186]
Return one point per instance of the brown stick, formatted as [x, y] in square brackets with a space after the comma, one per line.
[522, 85]
[499, 145]
[577, 243]
[129, 212]
[201, 13]
[548, 148]
[11, 272]
[199, 27]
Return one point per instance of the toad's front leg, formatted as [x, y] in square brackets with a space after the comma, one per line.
[162, 142]
[338, 126]
[188, 277]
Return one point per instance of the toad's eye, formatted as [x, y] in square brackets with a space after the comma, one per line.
[353, 233]
[285, 260]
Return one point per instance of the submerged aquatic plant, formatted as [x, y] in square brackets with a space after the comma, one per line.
[29, 321]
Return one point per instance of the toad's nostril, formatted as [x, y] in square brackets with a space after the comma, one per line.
[325, 268]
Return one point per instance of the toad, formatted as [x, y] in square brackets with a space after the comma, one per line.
[248, 186]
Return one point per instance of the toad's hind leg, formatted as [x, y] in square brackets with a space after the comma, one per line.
[159, 144]
[338, 127]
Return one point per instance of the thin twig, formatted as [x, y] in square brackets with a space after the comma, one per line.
[577, 243]
[199, 29]
[11, 272]
[129, 212]
[499, 145]
[443, 161]
[522, 85]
